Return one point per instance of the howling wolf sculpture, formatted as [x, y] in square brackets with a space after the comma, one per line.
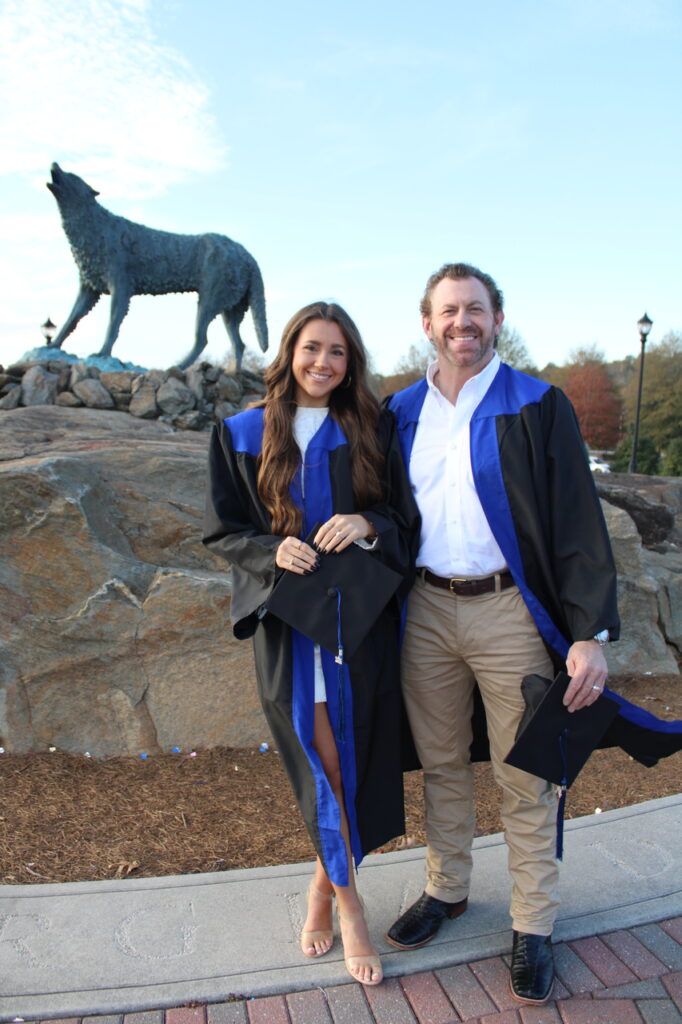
[117, 257]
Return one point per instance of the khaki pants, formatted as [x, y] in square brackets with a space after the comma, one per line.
[449, 643]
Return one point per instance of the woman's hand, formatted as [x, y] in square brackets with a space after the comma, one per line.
[340, 531]
[295, 555]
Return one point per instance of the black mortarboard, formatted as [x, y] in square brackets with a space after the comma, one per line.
[336, 605]
[551, 741]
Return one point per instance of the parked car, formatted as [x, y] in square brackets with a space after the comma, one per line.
[598, 465]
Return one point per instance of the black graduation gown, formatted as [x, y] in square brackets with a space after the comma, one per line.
[534, 483]
[366, 690]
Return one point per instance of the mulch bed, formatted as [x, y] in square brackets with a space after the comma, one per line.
[67, 818]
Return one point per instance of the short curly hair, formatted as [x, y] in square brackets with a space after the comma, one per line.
[458, 272]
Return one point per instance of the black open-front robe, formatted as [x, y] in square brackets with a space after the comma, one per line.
[238, 528]
[534, 483]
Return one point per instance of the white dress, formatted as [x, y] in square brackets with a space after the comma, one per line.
[307, 422]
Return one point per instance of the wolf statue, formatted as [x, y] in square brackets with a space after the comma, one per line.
[117, 257]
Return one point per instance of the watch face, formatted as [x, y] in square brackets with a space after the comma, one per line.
[603, 637]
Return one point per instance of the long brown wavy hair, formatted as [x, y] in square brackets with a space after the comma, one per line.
[352, 405]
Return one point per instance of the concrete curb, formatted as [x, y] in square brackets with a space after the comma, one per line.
[111, 947]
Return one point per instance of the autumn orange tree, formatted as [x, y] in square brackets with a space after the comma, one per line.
[595, 399]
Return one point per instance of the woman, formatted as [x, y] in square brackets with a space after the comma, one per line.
[318, 450]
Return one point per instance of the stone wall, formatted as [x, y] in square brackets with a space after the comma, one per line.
[189, 399]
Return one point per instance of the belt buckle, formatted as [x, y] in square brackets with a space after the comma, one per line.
[454, 580]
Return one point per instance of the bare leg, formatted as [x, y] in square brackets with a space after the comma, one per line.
[317, 937]
[362, 961]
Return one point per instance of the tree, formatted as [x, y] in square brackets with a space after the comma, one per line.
[585, 355]
[661, 410]
[594, 396]
[417, 359]
[648, 458]
[672, 459]
[513, 350]
[408, 369]
[555, 375]
[253, 361]
[597, 404]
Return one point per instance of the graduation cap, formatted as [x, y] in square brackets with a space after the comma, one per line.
[337, 605]
[553, 742]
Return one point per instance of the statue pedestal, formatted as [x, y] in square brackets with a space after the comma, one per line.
[107, 363]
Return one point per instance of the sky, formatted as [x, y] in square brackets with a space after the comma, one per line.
[352, 149]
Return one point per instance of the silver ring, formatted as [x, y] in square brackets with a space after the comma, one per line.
[597, 688]
[338, 533]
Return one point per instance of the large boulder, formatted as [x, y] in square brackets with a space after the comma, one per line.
[115, 633]
[654, 520]
[647, 583]
[114, 619]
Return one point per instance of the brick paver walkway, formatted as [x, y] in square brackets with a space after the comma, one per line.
[631, 976]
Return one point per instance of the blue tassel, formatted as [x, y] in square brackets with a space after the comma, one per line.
[339, 661]
[563, 744]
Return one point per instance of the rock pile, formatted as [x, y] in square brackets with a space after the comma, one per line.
[189, 399]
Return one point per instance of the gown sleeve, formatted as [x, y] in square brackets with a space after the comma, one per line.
[237, 528]
[583, 563]
[395, 518]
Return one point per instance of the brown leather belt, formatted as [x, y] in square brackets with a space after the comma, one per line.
[470, 588]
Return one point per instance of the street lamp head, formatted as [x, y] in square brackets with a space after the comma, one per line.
[48, 329]
[644, 325]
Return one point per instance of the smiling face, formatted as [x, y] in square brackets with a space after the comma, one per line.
[319, 362]
[462, 324]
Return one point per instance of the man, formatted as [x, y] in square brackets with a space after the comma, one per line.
[515, 576]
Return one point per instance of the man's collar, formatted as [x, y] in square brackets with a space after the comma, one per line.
[480, 381]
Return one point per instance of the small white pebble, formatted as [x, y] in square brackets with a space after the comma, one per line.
[597, 810]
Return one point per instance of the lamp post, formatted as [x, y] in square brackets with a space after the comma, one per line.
[48, 329]
[644, 327]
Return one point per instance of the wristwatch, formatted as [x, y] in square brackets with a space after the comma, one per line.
[602, 638]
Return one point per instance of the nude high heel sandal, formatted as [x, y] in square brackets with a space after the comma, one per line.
[317, 943]
[355, 964]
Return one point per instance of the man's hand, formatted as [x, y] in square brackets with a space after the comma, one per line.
[586, 664]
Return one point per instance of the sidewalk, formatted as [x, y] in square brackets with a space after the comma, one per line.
[223, 948]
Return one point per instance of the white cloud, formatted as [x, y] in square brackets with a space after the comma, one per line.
[88, 83]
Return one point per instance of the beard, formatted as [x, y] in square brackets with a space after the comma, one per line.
[477, 353]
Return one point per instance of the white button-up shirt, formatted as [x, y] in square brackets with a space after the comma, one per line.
[455, 537]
